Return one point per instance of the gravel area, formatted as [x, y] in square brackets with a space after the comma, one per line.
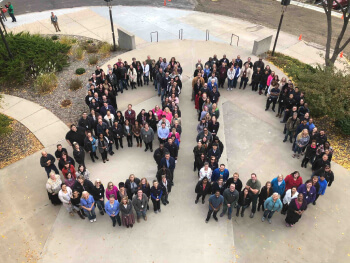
[18, 144]
[52, 101]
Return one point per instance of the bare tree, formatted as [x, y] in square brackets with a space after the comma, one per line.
[340, 44]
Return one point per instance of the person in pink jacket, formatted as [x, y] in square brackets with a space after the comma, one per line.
[158, 112]
[168, 114]
[111, 189]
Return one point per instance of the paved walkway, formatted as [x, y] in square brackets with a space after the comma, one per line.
[41, 122]
[94, 22]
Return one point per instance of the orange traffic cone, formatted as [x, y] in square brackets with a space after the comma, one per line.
[342, 17]
[341, 54]
[164, 2]
[300, 36]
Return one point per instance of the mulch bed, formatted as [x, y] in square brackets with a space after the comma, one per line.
[18, 144]
[338, 141]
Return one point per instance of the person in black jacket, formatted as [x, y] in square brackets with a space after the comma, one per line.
[79, 154]
[263, 81]
[320, 163]
[214, 152]
[131, 185]
[200, 161]
[165, 185]
[60, 150]
[236, 181]
[243, 201]
[216, 141]
[99, 196]
[172, 148]
[146, 189]
[266, 192]
[47, 161]
[256, 78]
[65, 159]
[156, 195]
[118, 133]
[218, 186]
[82, 185]
[310, 154]
[85, 122]
[327, 173]
[164, 171]
[203, 188]
[90, 146]
[76, 134]
[198, 151]
[159, 154]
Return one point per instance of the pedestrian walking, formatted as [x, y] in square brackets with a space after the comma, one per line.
[55, 22]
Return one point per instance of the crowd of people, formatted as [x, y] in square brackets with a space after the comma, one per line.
[286, 195]
[102, 130]
[105, 127]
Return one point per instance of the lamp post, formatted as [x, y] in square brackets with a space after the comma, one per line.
[284, 4]
[109, 4]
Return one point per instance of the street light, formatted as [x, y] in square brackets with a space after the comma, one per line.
[284, 4]
[109, 4]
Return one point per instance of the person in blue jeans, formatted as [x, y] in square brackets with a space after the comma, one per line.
[237, 74]
[272, 204]
[47, 161]
[87, 202]
[112, 209]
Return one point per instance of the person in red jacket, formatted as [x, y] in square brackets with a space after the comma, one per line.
[68, 168]
[293, 179]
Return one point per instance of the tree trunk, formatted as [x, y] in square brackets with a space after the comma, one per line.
[328, 11]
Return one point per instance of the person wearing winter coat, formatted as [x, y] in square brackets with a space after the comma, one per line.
[308, 191]
[278, 184]
[202, 189]
[231, 197]
[310, 154]
[290, 194]
[272, 204]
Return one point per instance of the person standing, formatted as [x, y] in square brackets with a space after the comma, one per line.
[169, 162]
[165, 185]
[253, 185]
[278, 184]
[53, 186]
[215, 202]
[47, 161]
[131, 185]
[55, 22]
[156, 195]
[289, 196]
[265, 192]
[272, 204]
[308, 191]
[112, 209]
[99, 196]
[243, 201]
[128, 218]
[203, 188]
[159, 154]
[296, 208]
[65, 194]
[231, 197]
[11, 12]
[236, 181]
[87, 202]
[140, 202]
[147, 136]
[79, 154]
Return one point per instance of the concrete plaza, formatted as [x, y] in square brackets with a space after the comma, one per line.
[33, 229]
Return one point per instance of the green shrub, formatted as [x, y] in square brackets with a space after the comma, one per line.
[45, 83]
[93, 60]
[89, 41]
[5, 123]
[92, 48]
[55, 37]
[106, 48]
[33, 55]
[78, 53]
[344, 124]
[326, 89]
[75, 84]
[80, 71]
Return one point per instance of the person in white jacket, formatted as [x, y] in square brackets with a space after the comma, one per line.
[230, 76]
[290, 194]
[132, 76]
[246, 75]
[205, 172]
[145, 68]
[65, 194]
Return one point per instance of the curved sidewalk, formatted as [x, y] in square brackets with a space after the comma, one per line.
[41, 122]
